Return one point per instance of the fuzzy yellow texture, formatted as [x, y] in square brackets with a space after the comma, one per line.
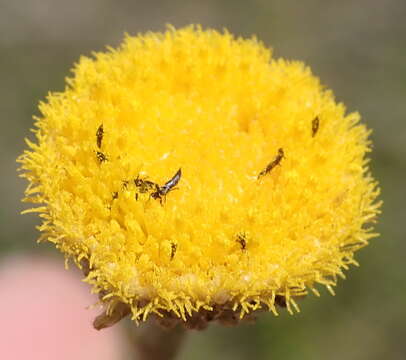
[219, 108]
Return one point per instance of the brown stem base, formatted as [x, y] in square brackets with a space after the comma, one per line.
[153, 342]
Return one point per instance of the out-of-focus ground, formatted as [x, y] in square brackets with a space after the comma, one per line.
[357, 48]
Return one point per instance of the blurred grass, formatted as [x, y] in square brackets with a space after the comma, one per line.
[356, 48]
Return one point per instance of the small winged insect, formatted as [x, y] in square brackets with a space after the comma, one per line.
[315, 126]
[242, 240]
[99, 136]
[125, 184]
[144, 185]
[173, 250]
[161, 191]
[101, 157]
[273, 163]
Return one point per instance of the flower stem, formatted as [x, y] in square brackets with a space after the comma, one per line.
[153, 342]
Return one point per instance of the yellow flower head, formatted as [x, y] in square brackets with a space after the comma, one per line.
[189, 172]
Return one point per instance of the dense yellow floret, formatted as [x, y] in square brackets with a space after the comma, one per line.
[274, 194]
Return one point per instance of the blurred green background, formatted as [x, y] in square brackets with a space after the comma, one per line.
[357, 48]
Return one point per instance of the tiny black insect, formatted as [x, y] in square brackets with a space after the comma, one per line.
[101, 157]
[273, 163]
[99, 136]
[315, 126]
[125, 184]
[115, 195]
[173, 250]
[161, 191]
[242, 240]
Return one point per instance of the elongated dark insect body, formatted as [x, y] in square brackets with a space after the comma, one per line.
[161, 191]
[169, 185]
[273, 163]
[242, 240]
[99, 136]
[315, 126]
[101, 157]
[173, 250]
